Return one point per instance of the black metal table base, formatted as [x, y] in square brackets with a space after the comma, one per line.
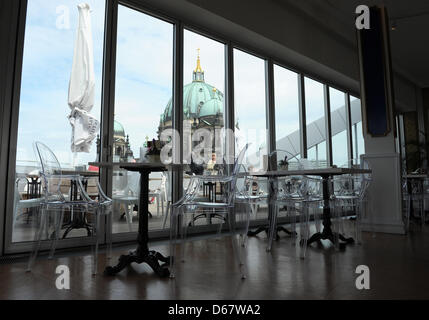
[74, 226]
[331, 236]
[204, 215]
[327, 233]
[152, 258]
[266, 229]
[142, 254]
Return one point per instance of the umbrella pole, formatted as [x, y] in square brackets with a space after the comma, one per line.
[74, 159]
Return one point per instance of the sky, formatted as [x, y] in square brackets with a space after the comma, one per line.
[144, 72]
[47, 63]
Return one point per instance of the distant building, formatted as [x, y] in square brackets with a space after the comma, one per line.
[121, 144]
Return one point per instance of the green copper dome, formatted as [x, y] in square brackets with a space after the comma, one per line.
[212, 107]
[199, 99]
[118, 129]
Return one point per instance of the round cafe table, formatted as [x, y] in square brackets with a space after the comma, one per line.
[141, 254]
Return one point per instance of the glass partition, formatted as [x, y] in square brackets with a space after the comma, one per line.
[287, 111]
[357, 131]
[250, 119]
[339, 128]
[47, 108]
[144, 77]
[315, 121]
[203, 118]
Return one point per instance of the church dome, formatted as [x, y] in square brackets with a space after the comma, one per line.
[212, 107]
[118, 130]
[200, 99]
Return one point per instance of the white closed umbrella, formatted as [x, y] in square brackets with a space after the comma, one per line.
[82, 86]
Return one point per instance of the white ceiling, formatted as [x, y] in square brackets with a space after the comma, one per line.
[409, 42]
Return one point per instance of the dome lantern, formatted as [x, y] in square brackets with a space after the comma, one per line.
[198, 74]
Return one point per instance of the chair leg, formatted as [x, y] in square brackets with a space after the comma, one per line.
[358, 226]
[407, 213]
[317, 221]
[244, 236]
[184, 230]
[37, 240]
[57, 231]
[166, 215]
[173, 240]
[273, 224]
[157, 205]
[95, 234]
[162, 205]
[236, 250]
[109, 234]
[129, 217]
[305, 230]
[336, 224]
[293, 215]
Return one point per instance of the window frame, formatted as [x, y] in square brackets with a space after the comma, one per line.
[107, 101]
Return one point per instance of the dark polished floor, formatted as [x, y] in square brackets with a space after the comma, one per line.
[398, 270]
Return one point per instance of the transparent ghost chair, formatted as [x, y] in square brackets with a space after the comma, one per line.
[349, 197]
[299, 194]
[406, 203]
[159, 194]
[296, 193]
[32, 204]
[188, 205]
[414, 192]
[168, 178]
[256, 191]
[54, 205]
[283, 160]
[251, 193]
[126, 193]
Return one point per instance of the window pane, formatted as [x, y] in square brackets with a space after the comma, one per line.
[144, 73]
[203, 115]
[287, 111]
[340, 155]
[250, 113]
[357, 132]
[50, 35]
[203, 97]
[315, 118]
[250, 117]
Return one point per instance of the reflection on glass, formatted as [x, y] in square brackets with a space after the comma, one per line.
[49, 43]
[357, 132]
[340, 155]
[287, 111]
[315, 118]
[250, 119]
[144, 74]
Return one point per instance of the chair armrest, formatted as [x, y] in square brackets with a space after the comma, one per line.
[84, 194]
[102, 195]
[191, 191]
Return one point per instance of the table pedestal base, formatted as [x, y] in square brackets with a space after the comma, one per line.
[266, 229]
[152, 258]
[317, 237]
